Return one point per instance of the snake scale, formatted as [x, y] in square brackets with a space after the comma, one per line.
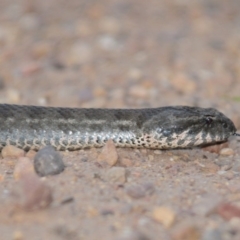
[32, 127]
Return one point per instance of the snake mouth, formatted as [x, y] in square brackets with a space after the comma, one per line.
[236, 134]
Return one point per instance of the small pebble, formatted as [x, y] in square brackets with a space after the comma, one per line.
[212, 234]
[228, 175]
[79, 53]
[40, 50]
[48, 162]
[210, 167]
[157, 152]
[203, 206]
[126, 162]
[1, 177]
[216, 148]
[135, 73]
[228, 211]
[99, 92]
[13, 95]
[42, 101]
[17, 235]
[108, 42]
[138, 91]
[135, 191]
[109, 154]
[186, 231]
[92, 212]
[67, 200]
[226, 152]
[30, 68]
[164, 215]
[84, 159]
[150, 158]
[140, 190]
[10, 151]
[132, 234]
[23, 166]
[34, 194]
[106, 212]
[226, 167]
[183, 83]
[223, 161]
[116, 175]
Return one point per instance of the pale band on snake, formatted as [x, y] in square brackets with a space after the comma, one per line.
[33, 127]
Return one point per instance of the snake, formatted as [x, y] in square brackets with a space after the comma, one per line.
[170, 127]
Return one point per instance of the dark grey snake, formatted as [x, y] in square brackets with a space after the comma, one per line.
[31, 127]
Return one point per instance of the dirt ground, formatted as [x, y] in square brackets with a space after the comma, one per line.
[125, 54]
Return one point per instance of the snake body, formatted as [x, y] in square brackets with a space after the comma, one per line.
[32, 127]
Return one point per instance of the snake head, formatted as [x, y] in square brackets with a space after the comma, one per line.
[210, 126]
[217, 126]
[182, 126]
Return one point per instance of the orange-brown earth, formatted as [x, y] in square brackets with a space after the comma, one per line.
[117, 54]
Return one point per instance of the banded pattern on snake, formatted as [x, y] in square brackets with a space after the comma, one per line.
[32, 127]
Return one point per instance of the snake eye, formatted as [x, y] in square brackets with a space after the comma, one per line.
[208, 120]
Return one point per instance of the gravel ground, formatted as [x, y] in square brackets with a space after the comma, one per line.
[122, 54]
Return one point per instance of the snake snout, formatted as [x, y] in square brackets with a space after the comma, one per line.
[228, 128]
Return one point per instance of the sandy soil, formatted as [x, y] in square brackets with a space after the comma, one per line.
[104, 53]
